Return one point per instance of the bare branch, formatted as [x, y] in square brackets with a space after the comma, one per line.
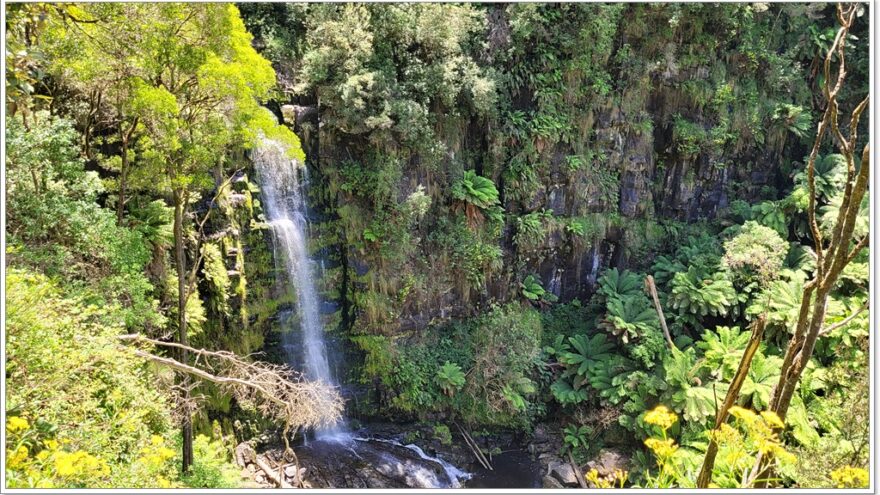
[862, 244]
[844, 322]
[276, 391]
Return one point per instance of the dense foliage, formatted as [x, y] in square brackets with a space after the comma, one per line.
[497, 189]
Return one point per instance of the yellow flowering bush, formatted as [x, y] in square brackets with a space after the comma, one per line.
[740, 442]
[154, 462]
[760, 434]
[78, 465]
[15, 424]
[850, 477]
[661, 416]
[669, 464]
[617, 479]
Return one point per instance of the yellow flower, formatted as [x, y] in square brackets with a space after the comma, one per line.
[157, 440]
[593, 477]
[15, 423]
[65, 463]
[661, 416]
[51, 444]
[743, 414]
[17, 457]
[43, 455]
[79, 463]
[663, 449]
[772, 419]
[850, 477]
[726, 435]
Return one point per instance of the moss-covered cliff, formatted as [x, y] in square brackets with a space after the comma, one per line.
[607, 130]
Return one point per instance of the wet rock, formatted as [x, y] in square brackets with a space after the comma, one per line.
[608, 461]
[245, 454]
[297, 114]
[550, 482]
[563, 472]
[290, 471]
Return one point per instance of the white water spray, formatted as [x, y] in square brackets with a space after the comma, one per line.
[283, 182]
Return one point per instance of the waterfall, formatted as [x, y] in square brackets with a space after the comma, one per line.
[283, 183]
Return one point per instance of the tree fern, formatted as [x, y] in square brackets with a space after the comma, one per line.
[829, 174]
[629, 317]
[723, 349]
[479, 196]
[693, 292]
[614, 284]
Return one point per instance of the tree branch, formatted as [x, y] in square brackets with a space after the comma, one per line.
[844, 322]
[276, 391]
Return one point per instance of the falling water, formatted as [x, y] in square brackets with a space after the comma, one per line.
[283, 182]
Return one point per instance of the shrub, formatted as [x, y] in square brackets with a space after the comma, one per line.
[755, 254]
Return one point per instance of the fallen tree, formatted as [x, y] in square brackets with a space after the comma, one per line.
[276, 391]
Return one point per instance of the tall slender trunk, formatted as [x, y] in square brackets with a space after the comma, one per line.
[841, 248]
[180, 255]
[125, 139]
[739, 378]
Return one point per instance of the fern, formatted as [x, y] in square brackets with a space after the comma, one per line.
[566, 394]
[450, 378]
[693, 292]
[588, 353]
[760, 380]
[629, 317]
[793, 118]
[688, 395]
[531, 229]
[665, 268]
[479, 196]
[532, 290]
[772, 214]
[781, 301]
[829, 174]
[617, 285]
[723, 349]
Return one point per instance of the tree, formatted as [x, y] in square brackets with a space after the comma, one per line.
[835, 253]
[832, 254]
[193, 91]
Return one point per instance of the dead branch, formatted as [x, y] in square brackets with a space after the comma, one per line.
[705, 476]
[276, 391]
[277, 478]
[652, 289]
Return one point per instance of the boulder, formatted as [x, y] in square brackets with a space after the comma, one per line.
[563, 472]
[550, 482]
[608, 461]
[290, 471]
[245, 454]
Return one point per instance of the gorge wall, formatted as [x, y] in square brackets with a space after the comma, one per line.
[608, 131]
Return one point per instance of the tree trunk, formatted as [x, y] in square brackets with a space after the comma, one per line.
[125, 138]
[180, 256]
[739, 378]
[834, 255]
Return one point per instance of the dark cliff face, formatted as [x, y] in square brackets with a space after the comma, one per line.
[610, 128]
